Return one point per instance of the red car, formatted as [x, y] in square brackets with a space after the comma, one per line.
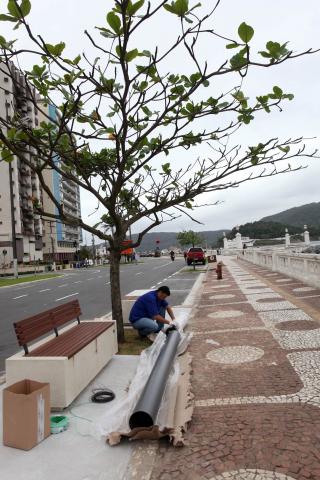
[196, 255]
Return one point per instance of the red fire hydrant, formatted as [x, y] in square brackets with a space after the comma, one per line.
[219, 270]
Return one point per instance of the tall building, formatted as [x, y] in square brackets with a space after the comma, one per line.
[61, 241]
[21, 230]
[23, 234]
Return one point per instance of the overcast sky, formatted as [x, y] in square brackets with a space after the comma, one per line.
[281, 21]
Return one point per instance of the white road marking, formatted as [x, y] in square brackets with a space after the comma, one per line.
[90, 279]
[100, 276]
[67, 296]
[16, 298]
[79, 281]
[45, 290]
[153, 286]
[64, 285]
[108, 283]
[139, 273]
[161, 266]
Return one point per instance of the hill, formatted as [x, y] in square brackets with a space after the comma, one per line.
[264, 230]
[308, 214]
[168, 239]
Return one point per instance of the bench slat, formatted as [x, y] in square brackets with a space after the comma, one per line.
[72, 341]
[36, 326]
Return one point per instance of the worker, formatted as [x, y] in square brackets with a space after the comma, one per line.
[148, 312]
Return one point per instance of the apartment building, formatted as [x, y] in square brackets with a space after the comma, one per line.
[61, 241]
[23, 234]
[21, 229]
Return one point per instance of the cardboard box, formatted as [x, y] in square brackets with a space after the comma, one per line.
[26, 414]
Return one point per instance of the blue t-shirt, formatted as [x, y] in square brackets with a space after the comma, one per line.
[147, 306]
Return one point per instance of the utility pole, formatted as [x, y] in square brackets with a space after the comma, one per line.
[52, 246]
[93, 250]
[13, 224]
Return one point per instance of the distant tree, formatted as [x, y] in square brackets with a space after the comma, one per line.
[189, 238]
[264, 230]
[124, 117]
[85, 252]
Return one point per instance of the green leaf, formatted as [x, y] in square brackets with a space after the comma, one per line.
[76, 60]
[238, 61]
[146, 111]
[7, 18]
[170, 8]
[19, 12]
[11, 133]
[232, 45]
[25, 7]
[132, 9]
[166, 168]
[6, 155]
[284, 149]
[245, 32]
[37, 70]
[277, 91]
[114, 22]
[3, 41]
[179, 7]
[55, 50]
[129, 56]
[195, 77]
[182, 7]
[13, 9]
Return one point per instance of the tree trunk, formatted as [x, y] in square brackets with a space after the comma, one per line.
[116, 293]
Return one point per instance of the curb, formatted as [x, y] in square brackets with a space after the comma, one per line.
[190, 300]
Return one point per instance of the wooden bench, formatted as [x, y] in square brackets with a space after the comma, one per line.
[71, 357]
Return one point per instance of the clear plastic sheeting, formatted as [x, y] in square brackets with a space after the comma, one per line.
[115, 422]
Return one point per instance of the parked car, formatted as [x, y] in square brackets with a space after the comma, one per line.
[196, 255]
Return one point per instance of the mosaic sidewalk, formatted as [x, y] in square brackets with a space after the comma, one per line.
[256, 381]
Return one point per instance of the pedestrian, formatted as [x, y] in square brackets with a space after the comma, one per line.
[148, 312]
[185, 256]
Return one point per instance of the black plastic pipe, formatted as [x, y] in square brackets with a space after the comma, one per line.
[146, 410]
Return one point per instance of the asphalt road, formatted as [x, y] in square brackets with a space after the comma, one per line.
[92, 287]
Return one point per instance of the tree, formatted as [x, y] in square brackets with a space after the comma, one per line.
[122, 117]
[188, 237]
[84, 253]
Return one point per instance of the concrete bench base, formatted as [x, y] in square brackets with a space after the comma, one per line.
[67, 377]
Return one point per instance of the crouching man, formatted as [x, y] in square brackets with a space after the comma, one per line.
[148, 312]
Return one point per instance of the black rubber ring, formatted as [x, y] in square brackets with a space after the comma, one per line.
[103, 396]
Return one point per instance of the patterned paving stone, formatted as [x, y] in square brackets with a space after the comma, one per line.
[220, 297]
[226, 314]
[263, 438]
[296, 325]
[235, 355]
[256, 381]
[304, 289]
[252, 474]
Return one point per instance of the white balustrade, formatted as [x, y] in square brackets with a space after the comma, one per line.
[304, 267]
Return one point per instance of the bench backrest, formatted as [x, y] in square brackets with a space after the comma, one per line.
[34, 327]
